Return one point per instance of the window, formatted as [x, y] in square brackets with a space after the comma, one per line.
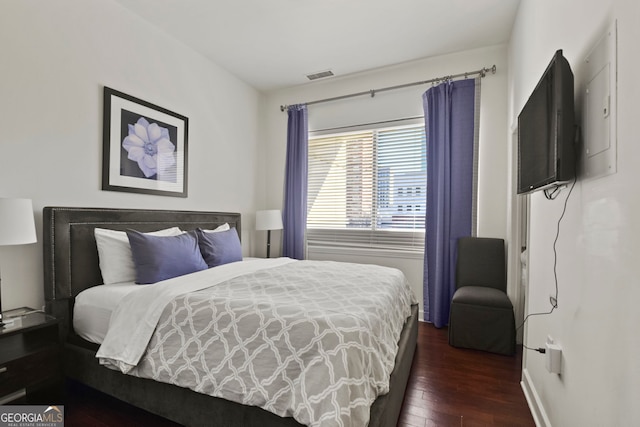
[367, 189]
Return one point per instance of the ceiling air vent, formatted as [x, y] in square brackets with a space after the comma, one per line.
[320, 75]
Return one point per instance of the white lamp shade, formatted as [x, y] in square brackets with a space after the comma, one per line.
[269, 220]
[17, 226]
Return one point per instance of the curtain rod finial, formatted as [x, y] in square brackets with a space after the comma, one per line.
[283, 107]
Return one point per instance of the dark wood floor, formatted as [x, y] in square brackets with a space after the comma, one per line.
[462, 388]
[448, 387]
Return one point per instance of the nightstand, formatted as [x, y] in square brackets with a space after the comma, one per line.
[30, 368]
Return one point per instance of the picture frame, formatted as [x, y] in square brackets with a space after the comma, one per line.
[145, 147]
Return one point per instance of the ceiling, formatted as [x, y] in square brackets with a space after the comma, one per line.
[271, 44]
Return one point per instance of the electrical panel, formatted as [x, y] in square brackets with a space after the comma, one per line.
[599, 113]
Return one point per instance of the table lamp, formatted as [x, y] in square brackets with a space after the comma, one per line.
[269, 220]
[17, 227]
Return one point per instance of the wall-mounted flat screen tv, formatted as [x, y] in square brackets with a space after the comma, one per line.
[546, 131]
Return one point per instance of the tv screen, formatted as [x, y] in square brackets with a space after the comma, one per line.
[546, 130]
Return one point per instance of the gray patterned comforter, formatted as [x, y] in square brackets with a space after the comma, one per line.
[308, 339]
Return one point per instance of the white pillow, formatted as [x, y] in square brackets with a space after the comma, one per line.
[114, 253]
[223, 227]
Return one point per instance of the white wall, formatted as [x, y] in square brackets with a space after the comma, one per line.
[397, 104]
[597, 318]
[56, 58]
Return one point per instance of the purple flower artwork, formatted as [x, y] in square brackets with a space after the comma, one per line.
[144, 148]
[150, 146]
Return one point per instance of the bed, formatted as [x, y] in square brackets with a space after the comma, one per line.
[71, 265]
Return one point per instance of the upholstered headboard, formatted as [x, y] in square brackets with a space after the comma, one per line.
[71, 256]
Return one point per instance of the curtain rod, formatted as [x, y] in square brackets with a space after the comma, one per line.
[481, 72]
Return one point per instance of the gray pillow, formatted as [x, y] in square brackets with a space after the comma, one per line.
[159, 258]
[220, 248]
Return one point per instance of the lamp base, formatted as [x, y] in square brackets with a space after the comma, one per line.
[268, 243]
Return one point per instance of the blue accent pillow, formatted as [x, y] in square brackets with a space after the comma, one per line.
[159, 258]
[221, 247]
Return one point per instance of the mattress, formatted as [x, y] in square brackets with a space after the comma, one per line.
[93, 308]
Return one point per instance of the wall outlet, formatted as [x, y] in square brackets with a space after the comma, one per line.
[553, 360]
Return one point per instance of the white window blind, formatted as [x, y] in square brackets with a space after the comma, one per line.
[367, 189]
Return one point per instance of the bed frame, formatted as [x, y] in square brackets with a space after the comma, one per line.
[71, 265]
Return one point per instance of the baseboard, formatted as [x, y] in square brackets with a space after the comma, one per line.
[533, 400]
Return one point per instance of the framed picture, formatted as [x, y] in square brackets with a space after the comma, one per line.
[144, 147]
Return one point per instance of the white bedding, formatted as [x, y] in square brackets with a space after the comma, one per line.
[133, 322]
[93, 307]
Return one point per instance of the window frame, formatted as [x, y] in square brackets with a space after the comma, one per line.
[373, 240]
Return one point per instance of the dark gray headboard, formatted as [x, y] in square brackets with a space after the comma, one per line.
[70, 253]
